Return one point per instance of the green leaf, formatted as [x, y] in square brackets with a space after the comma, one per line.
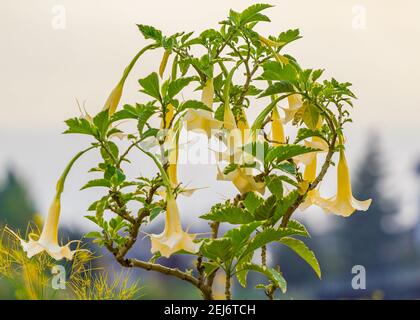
[298, 227]
[150, 86]
[252, 201]
[177, 85]
[145, 112]
[193, 104]
[305, 133]
[240, 235]
[79, 125]
[218, 250]
[241, 271]
[284, 204]
[289, 36]
[150, 32]
[272, 274]
[276, 71]
[93, 234]
[232, 215]
[101, 121]
[276, 88]
[275, 185]
[252, 14]
[285, 152]
[155, 212]
[266, 209]
[311, 116]
[264, 237]
[97, 183]
[304, 252]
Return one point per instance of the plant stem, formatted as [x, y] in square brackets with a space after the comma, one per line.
[227, 286]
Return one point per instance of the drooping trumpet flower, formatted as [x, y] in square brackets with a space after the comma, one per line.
[295, 104]
[173, 238]
[114, 97]
[172, 142]
[274, 44]
[312, 197]
[277, 130]
[48, 240]
[344, 204]
[164, 62]
[203, 119]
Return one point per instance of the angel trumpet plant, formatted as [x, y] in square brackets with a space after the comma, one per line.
[203, 119]
[344, 204]
[48, 240]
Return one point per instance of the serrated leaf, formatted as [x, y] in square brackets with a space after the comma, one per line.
[305, 133]
[97, 183]
[289, 36]
[93, 234]
[272, 274]
[240, 235]
[275, 185]
[193, 104]
[78, 125]
[177, 85]
[150, 32]
[252, 201]
[232, 215]
[284, 204]
[241, 271]
[276, 71]
[285, 152]
[252, 14]
[298, 227]
[264, 237]
[304, 252]
[266, 209]
[276, 88]
[150, 85]
[311, 116]
[218, 249]
[101, 121]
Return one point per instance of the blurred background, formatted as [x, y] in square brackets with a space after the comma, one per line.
[54, 52]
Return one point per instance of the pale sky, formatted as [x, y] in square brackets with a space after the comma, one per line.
[44, 69]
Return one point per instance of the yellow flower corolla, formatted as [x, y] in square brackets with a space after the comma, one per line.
[48, 240]
[172, 142]
[277, 130]
[315, 143]
[114, 98]
[242, 181]
[173, 238]
[270, 44]
[164, 62]
[203, 119]
[295, 104]
[312, 197]
[344, 204]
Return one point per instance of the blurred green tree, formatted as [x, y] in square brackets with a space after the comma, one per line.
[16, 206]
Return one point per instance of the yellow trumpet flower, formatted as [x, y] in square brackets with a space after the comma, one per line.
[172, 140]
[277, 130]
[173, 238]
[164, 62]
[114, 97]
[312, 197]
[203, 119]
[243, 182]
[295, 103]
[48, 240]
[344, 204]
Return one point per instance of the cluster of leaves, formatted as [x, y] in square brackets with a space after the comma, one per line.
[268, 74]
